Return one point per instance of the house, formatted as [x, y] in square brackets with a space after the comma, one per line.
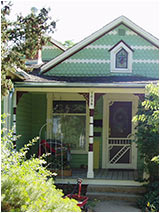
[87, 95]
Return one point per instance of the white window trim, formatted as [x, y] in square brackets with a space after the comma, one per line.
[114, 51]
[66, 97]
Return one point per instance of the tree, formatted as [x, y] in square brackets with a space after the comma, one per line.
[147, 136]
[21, 39]
[68, 43]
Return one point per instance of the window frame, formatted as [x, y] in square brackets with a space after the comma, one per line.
[66, 97]
[114, 52]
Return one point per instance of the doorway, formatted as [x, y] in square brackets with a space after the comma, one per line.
[119, 149]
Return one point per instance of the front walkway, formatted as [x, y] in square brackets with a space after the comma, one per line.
[115, 206]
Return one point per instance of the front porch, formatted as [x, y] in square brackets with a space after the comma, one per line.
[81, 119]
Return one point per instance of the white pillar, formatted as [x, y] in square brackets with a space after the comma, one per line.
[90, 173]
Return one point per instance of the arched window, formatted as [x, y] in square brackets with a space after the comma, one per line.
[122, 59]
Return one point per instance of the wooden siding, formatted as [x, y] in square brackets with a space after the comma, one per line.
[31, 115]
[24, 119]
[79, 160]
[39, 111]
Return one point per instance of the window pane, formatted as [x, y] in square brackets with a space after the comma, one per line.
[122, 59]
[70, 130]
[69, 106]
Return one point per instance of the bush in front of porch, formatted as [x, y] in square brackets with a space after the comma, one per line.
[26, 185]
[147, 139]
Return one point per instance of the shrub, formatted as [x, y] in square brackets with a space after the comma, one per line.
[26, 185]
[150, 201]
[147, 135]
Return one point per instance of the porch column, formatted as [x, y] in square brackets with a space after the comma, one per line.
[14, 118]
[90, 173]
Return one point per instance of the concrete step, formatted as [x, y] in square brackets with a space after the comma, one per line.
[114, 189]
[113, 196]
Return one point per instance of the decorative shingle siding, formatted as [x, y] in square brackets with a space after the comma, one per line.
[94, 59]
[50, 51]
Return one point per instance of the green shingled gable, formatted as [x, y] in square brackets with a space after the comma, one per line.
[50, 51]
[94, 59]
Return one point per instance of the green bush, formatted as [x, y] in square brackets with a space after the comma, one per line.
[26, 185]
[150, 201]
[147, 135]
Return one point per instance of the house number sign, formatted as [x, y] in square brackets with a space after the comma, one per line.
[91, 100]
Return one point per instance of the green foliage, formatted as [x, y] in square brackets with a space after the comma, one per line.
[68, 43]
[150, 201]
[21, 39]
[26, 185]
[147, 136]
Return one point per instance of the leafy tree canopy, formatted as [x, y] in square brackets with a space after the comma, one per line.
[21, 39]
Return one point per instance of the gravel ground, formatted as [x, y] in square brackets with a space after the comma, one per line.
[115, 206]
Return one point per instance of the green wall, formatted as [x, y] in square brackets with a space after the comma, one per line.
[31, 115]
[24, 119]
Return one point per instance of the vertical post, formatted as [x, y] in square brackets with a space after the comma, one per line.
[14, 118]
[90, 173]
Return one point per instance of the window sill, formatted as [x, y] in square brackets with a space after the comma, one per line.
[121, 71]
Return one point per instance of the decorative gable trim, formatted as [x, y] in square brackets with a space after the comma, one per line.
[120, 42]
[58, 45]
[98, 34]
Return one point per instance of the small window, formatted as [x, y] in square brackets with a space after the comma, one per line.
[122, 59]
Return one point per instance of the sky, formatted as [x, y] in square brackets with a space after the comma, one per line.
[77, 19]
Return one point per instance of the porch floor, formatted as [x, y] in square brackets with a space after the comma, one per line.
[103, 176]
[107, 174]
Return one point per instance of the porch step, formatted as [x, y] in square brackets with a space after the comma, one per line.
[104, 192]
[120, 189]
[113, 196]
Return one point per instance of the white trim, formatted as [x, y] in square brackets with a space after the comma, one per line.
[137, 47]
[129, 32]
[150, 61]
[87, 61]
[114, 51]
[58, 44]
[105, 29]
[98, 46]
[107, 99]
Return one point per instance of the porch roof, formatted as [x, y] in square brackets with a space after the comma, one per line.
[86, 82]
